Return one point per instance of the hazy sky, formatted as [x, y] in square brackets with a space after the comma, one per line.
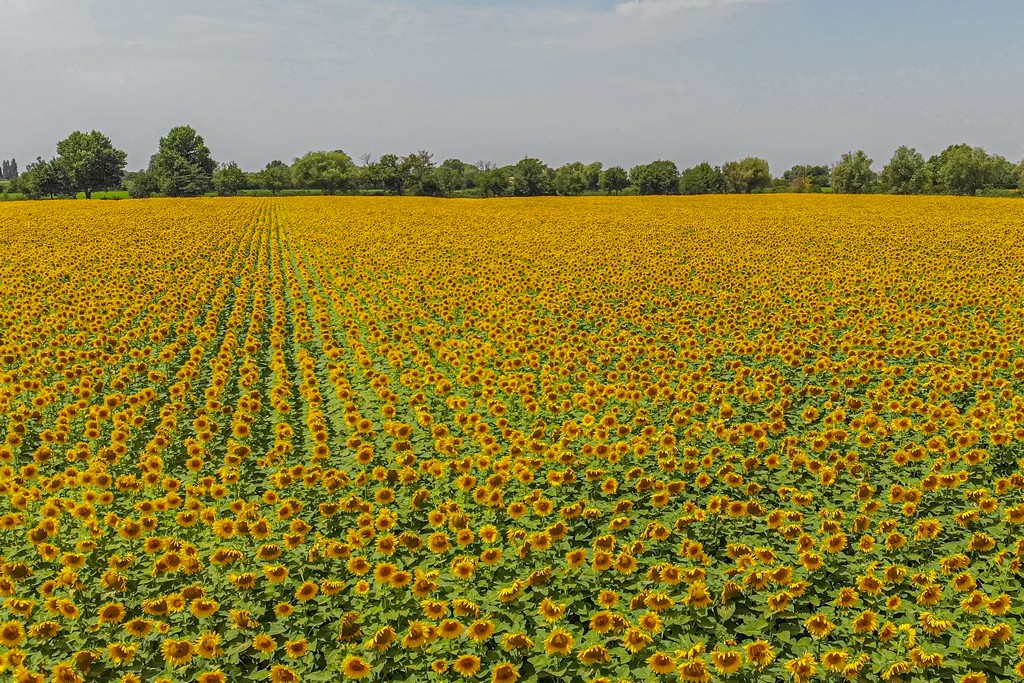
[620, 81]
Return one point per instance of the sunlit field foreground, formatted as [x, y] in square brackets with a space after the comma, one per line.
[743, 439]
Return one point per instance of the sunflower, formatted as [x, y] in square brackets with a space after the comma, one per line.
[382, 639]
[697, 595]
[12, 633]
[516, 641]
[139, 628]
[550, 610]
[111, 613]
[383, 572]
[264, 643]
[306, 592]
[651, 622]
[208, 645]
[275, 573]
[355, 667]
[601, 622]
[593, 655]
[635, 640]
[818, 625]
[558, 642]
[865, 622]
[694, 671]
[64, 673]
[121, 653]
[243, 620]
[296, 648]
[661, 663]
[835, 660]
[282, 674]
[42, 630]
[177, 652]
[802, 668]
[506, 672]
[480, 630]
[974, 677]
[726, 661]
[466, 665]
[202, 608]
[759, 653]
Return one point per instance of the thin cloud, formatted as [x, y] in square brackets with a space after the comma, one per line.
[661, 8]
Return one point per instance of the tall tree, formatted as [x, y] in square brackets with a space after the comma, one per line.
[807, 178]
[963, 170]
[140, 184]
[453, 175]
[853, 174]
[702, 179]
[327, 171]
[592, 176]
[657, 177]
[746, 175]
[275, 176]
[387, 174]
[614, 180]
[229, 179]
[419, 170]
[90, 162]
[530, 177]
[571, 179]
[495, 182]
[906, 172]
[45, 179]
[183, 166]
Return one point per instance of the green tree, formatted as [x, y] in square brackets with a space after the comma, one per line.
[140, 184]
[1020, 177]
[386, 174]
[183, 166]
[592, 176]
[90, 162]
[229, 179]
[746, 175]
[702, 179]
[418, 170]
[614, 180]
[853, 174]
[45, 179]
[657, 177]
[906, 173]
[494, 182]
[276, 176]
[530, 177]
[329, 172]
[806, 178]
[453, 175]
[963, 170]
[571, 179]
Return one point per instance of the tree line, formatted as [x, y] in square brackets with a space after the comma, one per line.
[9, 169]
[183, 166]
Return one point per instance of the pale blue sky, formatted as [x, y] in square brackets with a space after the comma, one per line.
[620, 81]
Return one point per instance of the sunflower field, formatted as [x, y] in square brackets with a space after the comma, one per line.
[747, 439]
